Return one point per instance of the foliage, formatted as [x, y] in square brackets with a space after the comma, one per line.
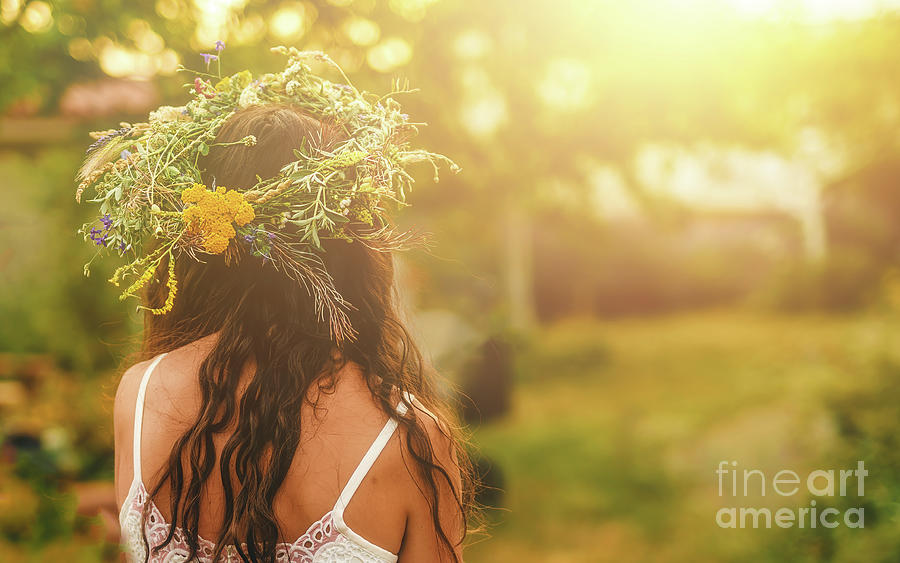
[47, 305]
[51, 433]
[865, 418]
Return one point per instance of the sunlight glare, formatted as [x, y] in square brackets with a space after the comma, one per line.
[565, 85]
[144, 37]
[484, 115]
[251, 29]
[289, 22]
[484, 108]
[814, 11]
[9, 10]
[37, 17]
[390, 54]
[410, 10]
[80, 49]
[472, 44]
[212, 20]
[169, 9]
[362, 31]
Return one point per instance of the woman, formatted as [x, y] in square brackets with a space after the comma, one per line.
[250, 431]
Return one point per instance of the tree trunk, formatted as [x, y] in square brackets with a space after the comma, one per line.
[519, 267]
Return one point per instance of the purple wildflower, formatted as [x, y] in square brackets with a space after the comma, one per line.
[220, 46]
[248, 238]
[101, 238]
[124, 154]
[105, 139]
[122, 246]
[98, 238]
[271, 236]
[98, 143]
[207, 58]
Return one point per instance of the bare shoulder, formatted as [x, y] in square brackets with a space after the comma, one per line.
[174, 379]
[439, 437]
[126, 392]
[435, 489]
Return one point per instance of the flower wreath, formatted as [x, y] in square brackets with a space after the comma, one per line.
[146, 180]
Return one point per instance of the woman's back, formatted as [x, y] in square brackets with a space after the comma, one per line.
[284, 355]
[339, 425]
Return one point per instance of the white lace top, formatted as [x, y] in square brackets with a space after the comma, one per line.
[329, 540]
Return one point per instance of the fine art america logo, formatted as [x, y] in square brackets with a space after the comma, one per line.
[741, 483]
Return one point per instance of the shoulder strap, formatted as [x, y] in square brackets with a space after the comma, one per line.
[368, 460]
[139, 416]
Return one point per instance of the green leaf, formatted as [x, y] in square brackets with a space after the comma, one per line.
[303, 222]
[335, 216]
[204, 149]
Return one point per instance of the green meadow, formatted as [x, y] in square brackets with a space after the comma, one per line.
[617, 428]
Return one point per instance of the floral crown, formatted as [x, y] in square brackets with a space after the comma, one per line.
[154, 205]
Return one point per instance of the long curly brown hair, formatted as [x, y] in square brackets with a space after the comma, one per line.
[262, 316]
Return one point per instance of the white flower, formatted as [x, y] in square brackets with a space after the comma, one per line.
[169, 113]
[296, 67]
[249, 97]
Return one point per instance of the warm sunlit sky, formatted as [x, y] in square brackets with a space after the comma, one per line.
[814, 11]
[384, 54]
[731, 179]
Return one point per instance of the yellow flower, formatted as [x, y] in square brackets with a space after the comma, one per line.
[172, 287]
[224, 84]
[211, 214]
[216, 243]
[140, 282]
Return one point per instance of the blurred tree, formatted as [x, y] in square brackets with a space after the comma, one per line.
[522, 93]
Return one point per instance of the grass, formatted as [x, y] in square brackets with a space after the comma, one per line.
[617, 428]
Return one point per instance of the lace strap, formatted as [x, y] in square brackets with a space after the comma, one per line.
[139, 416]
[368, 460]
